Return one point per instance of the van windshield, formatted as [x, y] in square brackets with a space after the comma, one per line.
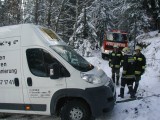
[73, 58]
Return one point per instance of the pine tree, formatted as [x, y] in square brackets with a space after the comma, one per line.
[11, 12]
[153, 10]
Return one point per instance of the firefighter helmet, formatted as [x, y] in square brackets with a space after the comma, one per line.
[126, 50]
[138, 48]
[115, 46]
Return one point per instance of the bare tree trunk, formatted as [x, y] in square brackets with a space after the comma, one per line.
[36, 11]
[49, 13]
[61, 9]
[19, 13]
[77, 13]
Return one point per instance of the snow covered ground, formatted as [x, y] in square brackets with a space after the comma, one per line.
[143, 109]
[146, 108]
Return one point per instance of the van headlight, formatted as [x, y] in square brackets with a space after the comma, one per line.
[91, 78]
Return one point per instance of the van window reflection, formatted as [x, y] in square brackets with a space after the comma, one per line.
[73, 58]
[39, 61]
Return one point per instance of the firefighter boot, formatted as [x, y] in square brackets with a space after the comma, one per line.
[121, 93]
[131, 92]
[117, 82]
[136, 87]
[113, 77]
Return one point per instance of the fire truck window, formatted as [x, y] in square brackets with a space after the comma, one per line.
[110, 36]
[115, 36]
[118, 37]
[124, 37]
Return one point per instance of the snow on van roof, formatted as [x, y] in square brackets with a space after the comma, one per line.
[8, 30]
[29, 32]
[50, 37]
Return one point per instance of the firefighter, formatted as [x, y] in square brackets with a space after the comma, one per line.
[140, 63]
[115, 58]
[128, 76]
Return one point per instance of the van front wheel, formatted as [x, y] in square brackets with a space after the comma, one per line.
[75, 110]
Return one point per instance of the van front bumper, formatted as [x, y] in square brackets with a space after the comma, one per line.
[101, 99]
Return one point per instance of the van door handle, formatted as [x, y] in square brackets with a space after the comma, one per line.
[29, 81]
[16, 81]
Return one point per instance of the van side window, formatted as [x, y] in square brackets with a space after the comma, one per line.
[39, 61]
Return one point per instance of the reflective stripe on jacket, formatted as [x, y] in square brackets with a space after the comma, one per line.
[140, 64]
[129, 76]
[115, 59]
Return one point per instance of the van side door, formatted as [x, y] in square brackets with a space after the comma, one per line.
[40, 86]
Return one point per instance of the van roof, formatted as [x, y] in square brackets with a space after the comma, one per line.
[31, 34]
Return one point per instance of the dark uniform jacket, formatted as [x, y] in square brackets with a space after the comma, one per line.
[128, 65]
[115, 59]
[140, 63]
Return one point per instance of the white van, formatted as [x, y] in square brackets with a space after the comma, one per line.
[40, 74]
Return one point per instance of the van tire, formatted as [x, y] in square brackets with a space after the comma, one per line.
[75, 110]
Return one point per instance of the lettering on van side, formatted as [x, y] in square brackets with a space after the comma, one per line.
[3, 64]
[37, 93]
[8, 43]
[8, 71]
[6, 82]
[2, 57]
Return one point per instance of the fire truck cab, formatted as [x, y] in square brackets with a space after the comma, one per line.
[111, 38]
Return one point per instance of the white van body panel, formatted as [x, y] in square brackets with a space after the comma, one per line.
[43, 87]
[76, 81]
[10, 69]
[11, 31]
[22, 91]
[19, 39]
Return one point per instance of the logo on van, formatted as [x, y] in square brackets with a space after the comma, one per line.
[8, 43]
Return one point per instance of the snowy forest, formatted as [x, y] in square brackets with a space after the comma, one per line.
[79, 20]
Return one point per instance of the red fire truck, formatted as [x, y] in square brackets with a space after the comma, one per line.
[112, 38]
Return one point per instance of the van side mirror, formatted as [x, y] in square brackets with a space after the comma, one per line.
[54, 71]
